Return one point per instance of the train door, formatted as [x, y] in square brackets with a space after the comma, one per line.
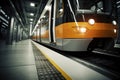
[55, 11]
[44, 27]
[52, 21]
[59, 9]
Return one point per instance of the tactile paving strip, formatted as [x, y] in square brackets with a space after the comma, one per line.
[45, 70]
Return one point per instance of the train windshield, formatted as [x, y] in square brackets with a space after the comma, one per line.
[92, 6]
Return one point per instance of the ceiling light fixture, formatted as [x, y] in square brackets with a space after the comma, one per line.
[31, 14]
[31, 19]
[32, 4]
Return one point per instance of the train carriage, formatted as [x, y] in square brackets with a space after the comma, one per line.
[75, 25]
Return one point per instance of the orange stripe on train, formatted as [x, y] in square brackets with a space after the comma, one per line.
[69, 30]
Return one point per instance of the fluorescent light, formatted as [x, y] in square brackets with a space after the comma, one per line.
[31, 22]
[31, 14]
[32, 4]
[31, 19]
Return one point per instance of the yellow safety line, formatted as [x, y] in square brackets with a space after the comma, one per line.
[56, 66]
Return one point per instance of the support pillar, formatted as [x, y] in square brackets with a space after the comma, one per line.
[9, 39]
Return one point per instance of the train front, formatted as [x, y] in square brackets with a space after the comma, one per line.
[89, 26]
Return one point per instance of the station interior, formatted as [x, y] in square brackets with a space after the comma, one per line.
[55, 40]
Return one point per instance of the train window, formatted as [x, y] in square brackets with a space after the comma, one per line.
[98, 7]
[59, 12]
[100, 4]
[45, 21]
[59, 8]
[86, 6]
[92, 6]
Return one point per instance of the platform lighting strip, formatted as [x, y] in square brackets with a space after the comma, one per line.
[118, 5]
[3, 19]
[118, 2]
[2, 11]
[4, 14]
[5, 24]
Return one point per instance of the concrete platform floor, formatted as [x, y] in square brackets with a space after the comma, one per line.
[17, 61]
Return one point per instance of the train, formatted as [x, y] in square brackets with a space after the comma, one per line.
[76, 25]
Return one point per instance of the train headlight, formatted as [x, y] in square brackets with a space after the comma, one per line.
[114, 22]
[115, 30]
[83, 29]
[91, 21]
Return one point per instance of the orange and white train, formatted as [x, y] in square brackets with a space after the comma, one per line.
[76, 25]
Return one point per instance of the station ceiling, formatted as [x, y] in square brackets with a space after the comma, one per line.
[28, 10]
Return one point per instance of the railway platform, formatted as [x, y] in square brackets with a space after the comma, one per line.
[27, 60]
[17, 61]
